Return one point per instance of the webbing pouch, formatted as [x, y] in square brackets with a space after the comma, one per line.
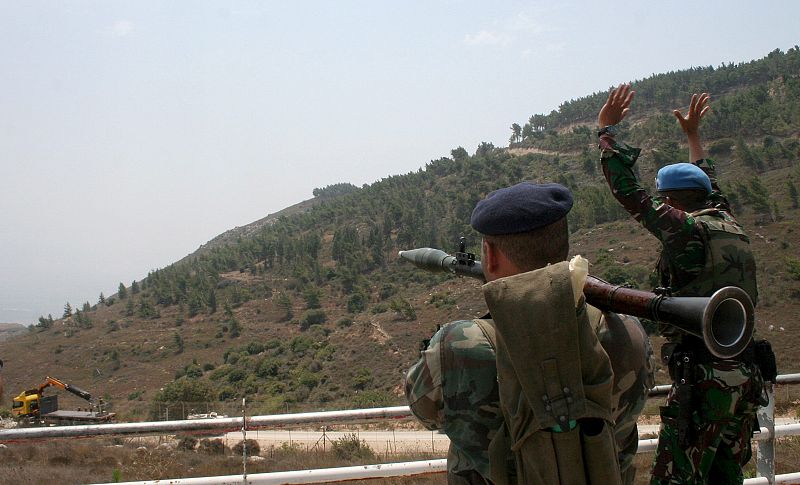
[765, 360]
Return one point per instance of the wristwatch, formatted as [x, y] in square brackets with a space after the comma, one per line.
[610, 130]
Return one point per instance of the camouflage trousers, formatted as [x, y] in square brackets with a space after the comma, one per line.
[725, 398]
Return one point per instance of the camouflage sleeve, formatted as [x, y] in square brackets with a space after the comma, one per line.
[423, 386]
[671, 226]
[633, 361]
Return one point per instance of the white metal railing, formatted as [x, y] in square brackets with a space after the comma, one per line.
[326, 475]
[765, 457]
[190, 425]
[323, 475]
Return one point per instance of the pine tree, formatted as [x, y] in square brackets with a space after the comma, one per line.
[212, 302]
[45, 322]
[122, 292]
[178, 343]
[312, 296]
[102, 299]
[283, 302]
[793, 195]
[67, 310]
[134, 287]
[234, 327]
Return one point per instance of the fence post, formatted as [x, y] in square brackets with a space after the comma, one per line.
[244, 440]
[765, 451]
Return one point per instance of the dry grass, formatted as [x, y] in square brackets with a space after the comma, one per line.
[95, 461]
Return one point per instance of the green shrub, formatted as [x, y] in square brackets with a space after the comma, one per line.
[361, 379]
[793, 268]
[440, 300]
[226, 393]
[209, 446]
[267, 367]
[357, 303]
[308, 379]
[349, 447]
[299, 345]
[253, 448]
[312, 317]
[187, 443]
[236, 375]
[255, 348]
[380, 308]
[177, 392]
[372, 399]
[404, 309]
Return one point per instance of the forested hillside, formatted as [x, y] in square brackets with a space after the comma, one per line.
[313, 309]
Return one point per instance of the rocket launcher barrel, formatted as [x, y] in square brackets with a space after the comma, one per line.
[438, 261]
[725, 321]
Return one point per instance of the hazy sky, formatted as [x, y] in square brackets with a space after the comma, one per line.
[131, 132]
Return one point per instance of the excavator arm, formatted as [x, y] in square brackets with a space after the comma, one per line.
[51, 381]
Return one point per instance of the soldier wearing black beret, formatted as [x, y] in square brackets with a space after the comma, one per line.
[460, 385]
[524, 227]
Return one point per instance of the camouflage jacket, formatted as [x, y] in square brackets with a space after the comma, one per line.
[701, 251]
[462, 399]
[684, 236]
[453, 389]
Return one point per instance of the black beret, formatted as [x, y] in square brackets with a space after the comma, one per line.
[521, 208]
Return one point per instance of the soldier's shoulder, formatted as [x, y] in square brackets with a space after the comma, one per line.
[464, 336]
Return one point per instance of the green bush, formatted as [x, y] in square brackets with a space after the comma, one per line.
[361, 379]
[440, 300]
[793, 268]
[372, 399]
[349, 447]
[404, 309]
[357, 303]
[255, 348]
[211, 446]
[312, 317]
[180, 391]
[308, 379]
[236, 375]
[267, 367]
[187, 443]
[380, 308]
[253, 448]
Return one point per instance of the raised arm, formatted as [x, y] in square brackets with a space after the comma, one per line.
[690, 124]
[618, 159]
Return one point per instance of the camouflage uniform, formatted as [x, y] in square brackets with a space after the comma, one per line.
[628, 347]
[702, 252]
[463, 402]
[453, 388]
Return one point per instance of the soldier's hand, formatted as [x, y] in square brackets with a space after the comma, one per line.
[616, 107]
[698, 107]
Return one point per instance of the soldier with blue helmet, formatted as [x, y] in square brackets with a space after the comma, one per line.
[709, 416]
[456, 386]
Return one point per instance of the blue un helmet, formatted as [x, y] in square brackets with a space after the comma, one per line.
[682, 176]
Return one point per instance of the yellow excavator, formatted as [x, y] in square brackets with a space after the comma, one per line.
[32, 407]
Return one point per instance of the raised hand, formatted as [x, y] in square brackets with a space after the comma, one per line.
[698, 107]
[616, 107]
